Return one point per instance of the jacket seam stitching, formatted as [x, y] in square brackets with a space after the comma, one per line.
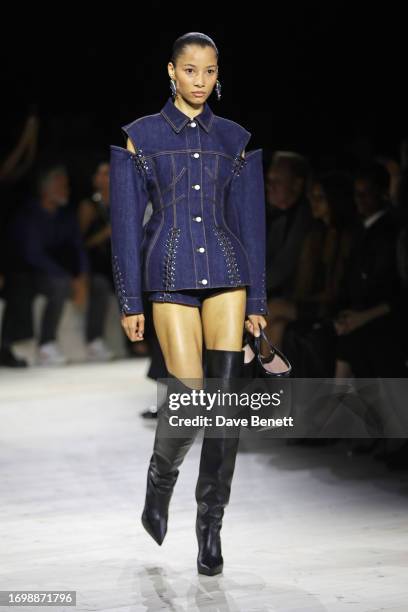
[180, 197]
[214, 199]
[175, 179]
[236, 237]
[190, 150]
[152, 245]
[173, 188]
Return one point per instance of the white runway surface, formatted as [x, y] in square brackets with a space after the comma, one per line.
[306, 530]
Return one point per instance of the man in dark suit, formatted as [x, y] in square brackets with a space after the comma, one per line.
[371, 318]
[289, 219]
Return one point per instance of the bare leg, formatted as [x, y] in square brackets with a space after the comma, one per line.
[223, 318]
[179, 332]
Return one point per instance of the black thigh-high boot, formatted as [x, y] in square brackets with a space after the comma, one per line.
[216, 470]
[162, 474]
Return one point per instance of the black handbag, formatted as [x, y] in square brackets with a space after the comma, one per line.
[266, 374]
[256, 365]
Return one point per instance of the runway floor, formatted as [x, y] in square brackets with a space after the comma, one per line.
[306, 530]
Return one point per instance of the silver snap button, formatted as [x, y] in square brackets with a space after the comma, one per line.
[196, 155]
[201, 249]
[197, 219]
[203, 281]
[193, 124]
[196, 187]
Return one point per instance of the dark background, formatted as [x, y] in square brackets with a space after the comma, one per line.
[327, 79]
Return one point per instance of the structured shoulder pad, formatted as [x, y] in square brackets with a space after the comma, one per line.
[233, 134]
[138, 131]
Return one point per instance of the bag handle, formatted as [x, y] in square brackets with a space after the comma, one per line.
[257, 344]
[256, 347]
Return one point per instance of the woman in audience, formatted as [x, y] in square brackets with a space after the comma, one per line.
[324, 251]
[95, 227]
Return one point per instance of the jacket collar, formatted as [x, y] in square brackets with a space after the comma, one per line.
[178, 119]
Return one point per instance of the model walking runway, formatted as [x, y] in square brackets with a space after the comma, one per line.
[308, 529]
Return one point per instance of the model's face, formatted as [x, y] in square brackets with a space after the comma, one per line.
[196, 70]
[318, 201]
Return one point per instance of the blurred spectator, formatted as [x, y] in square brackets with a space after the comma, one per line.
[13, 169]
[324, 253]
[326, 247]
[94, 223]
[289, 219]
[44, 255]
[370, 322]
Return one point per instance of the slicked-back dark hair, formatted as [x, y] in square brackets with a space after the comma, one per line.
[191, 38]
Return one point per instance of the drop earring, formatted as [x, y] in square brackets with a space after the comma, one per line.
[173, 87]
[218, 89]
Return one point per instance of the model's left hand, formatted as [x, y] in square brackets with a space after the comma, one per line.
[254, 323]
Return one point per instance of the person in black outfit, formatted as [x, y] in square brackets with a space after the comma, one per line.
[45, 255]
[289, 218]
[94, 223]
[15, 170]
[370, 322]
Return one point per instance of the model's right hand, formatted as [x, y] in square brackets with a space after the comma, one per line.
[133, 326]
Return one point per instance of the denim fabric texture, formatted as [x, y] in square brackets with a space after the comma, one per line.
[207, 227]
[188, 297]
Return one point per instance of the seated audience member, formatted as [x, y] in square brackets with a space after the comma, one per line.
[288, 221]
[326, 247]
[324, 252]
[94, 221]
[370, 318]
[15, 170]
[45, 256]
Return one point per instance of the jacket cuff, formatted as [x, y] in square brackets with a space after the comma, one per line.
[131, 306]
[256, 306]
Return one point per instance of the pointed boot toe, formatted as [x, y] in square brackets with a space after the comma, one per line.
[167, 457]
[155, 525]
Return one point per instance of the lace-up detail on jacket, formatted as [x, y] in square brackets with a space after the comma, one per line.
[171, 246]
[229, 254]
[238, 163]
[140, 161]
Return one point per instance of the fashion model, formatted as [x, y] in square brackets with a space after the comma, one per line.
[201, 260]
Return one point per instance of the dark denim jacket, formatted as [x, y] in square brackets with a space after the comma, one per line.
[207, 228]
